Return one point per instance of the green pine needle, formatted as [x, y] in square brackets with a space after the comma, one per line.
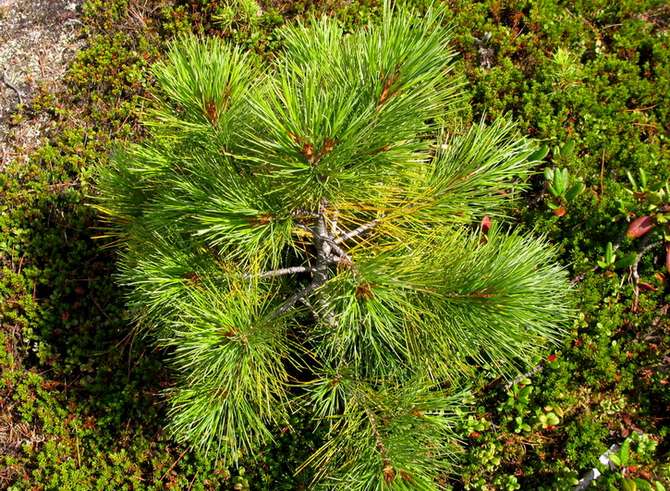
[302, 236]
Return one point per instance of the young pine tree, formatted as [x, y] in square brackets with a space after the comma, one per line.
[304, 236]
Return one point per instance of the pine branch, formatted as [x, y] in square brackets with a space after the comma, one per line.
[320, 234]
[283, 272]
[341, 254]
[324, 247]
[389, 472]
[295, 298]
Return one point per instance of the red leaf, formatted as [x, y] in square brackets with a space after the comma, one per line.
[560, 211]
[486, 224]
[640, 226]
[647, 287]
[552, 358]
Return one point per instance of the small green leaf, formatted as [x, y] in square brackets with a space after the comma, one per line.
[575, 190]
[568, 147]
[561, 181]
[625, 262]
[629, 485]
[539, 154]
[549, 173]
[557, 151]
[625, 452]
[610, 257]
[614, 458]
[631, 179]
[643, 177]
[525, 393]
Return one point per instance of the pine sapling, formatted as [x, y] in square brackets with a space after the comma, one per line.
[304, 236]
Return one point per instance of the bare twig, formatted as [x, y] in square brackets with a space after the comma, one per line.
[11, 86]
[319, 271]
[173, 464]
[357, 231]
[336, 249]
[296, 297]
[282, 272]
[322, 238]
[602, 175]
[332, 243]
[537, 368]
[327, 253]
[324, 246]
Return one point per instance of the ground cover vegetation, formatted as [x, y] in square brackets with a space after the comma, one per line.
[82, 404]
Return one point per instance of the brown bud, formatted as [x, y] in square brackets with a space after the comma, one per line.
[364, 291]
[640, 226]
[344, 264]
[263, 219]
[386, 89]
[384, 95]
[389, 473]
[667, 256]
[308, 151]
[192, 278]
[383, 149]
[212, 113]
[328, 145]
[482, 294]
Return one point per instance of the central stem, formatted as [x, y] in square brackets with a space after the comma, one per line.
[323, 247]
[328, 251]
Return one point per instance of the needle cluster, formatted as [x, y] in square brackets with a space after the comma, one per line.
[304, 236]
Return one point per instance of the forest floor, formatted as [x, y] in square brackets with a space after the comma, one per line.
[37, 40]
